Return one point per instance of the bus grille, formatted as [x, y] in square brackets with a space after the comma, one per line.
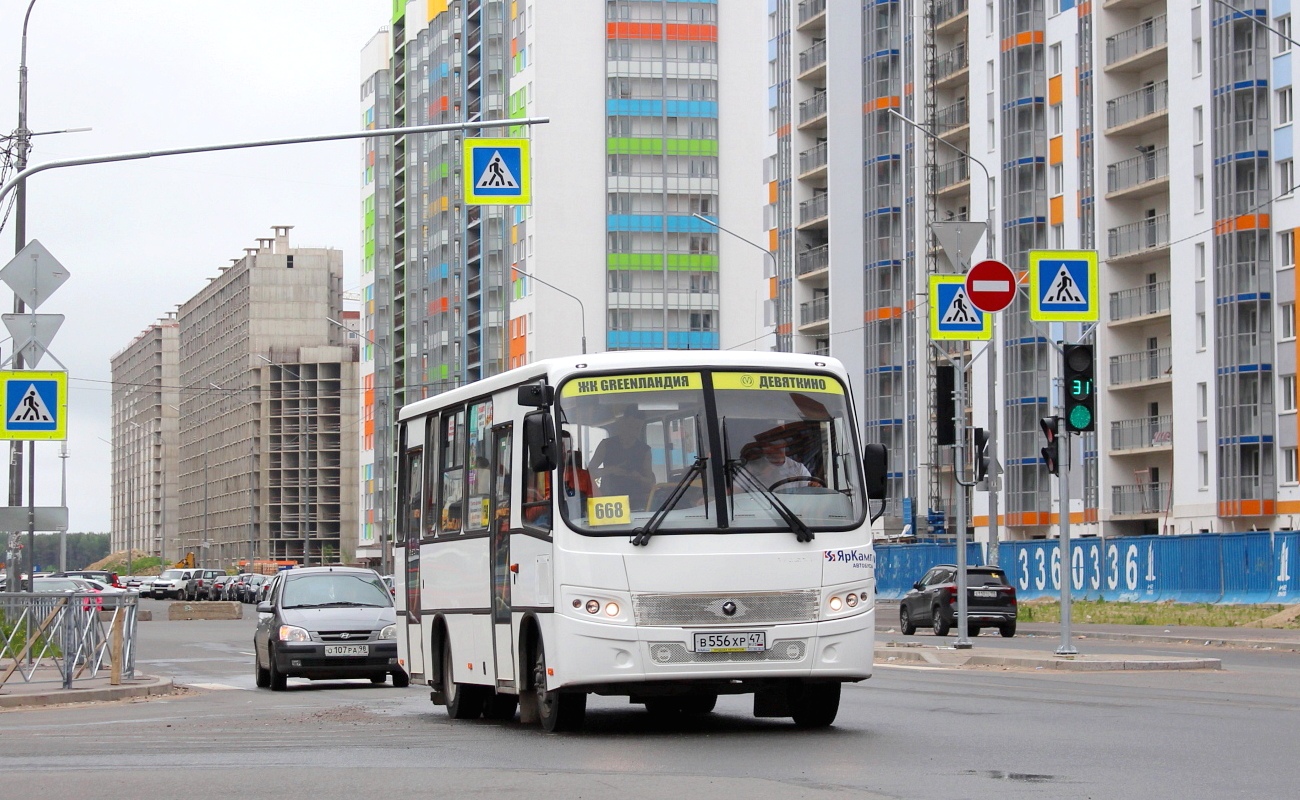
[758, 608]
[676, 653]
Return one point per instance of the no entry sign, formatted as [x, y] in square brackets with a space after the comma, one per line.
[991, 286]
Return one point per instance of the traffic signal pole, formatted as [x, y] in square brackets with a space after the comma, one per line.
[1066, 649]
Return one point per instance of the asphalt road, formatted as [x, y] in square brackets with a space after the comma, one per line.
[909, 732]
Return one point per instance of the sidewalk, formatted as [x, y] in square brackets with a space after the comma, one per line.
[46, 689]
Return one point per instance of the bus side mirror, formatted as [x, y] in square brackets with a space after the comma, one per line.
[875, 469]
[539, 441]
[536, 395]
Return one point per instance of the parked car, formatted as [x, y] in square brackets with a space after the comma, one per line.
[233, 588]
[217, 589]
[324, 623]
[990, 601]
[70, 585]
[252, 587]
[146, 586]
[196, 588]
[171, 583]
[392, 587]
[102, 575]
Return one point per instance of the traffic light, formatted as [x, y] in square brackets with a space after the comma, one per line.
[981, 442]
[945, 405]
[1080, 388]
[1052, 453]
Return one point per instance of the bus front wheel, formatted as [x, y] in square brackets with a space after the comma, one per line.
[557, 711]
[814, 705]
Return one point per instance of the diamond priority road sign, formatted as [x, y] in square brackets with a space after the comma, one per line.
[35, 404]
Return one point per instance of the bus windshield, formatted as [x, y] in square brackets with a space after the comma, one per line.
[707, 451]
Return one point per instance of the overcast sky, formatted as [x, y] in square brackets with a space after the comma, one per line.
[139, 238]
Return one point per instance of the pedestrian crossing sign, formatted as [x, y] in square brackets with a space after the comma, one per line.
[497, 172]
[35, 404]
[1063, 286]
[952, 315]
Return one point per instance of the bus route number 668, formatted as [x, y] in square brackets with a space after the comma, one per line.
[613, 510]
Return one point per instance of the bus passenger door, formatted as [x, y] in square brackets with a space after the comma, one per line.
[502, 636]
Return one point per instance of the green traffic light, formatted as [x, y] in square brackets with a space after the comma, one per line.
[1080, 418]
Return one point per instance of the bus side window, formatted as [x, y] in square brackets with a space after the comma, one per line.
[452, 487]
[433, 446]
[478, 468]
[501, 478]
[410, 489]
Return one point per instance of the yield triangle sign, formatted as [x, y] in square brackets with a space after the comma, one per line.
[958, 239]
[497, 174]
[1064, 290]
[32, 334]
[31, 408]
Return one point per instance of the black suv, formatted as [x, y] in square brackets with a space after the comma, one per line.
[323, 623]
[990, 601]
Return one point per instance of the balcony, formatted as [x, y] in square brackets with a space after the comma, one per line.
[1142, 175]
[812, 62]
[1144, 368]
[1149, 434]
[1142, 110]
[1139, 500]
[950, 66]
[950, 16]
[1138, 47]
[951, 176]
[1139, 239]
[951, 119]
[814, 260]
[812, 162]
[815, 313]
[812, 213]
[813, 110]
[1140, 304]
[809, 13]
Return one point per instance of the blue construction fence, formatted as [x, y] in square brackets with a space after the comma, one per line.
[1256, 567]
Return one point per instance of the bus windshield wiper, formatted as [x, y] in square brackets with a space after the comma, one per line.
[643, 534]
[801, 530]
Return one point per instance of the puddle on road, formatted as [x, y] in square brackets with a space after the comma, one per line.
[1018, 777]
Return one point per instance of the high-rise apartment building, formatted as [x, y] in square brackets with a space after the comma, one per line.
[259, 410]
[145, 465]
[655, 111]
[1158, 134]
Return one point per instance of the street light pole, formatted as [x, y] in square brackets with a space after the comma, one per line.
[582, 310]
[754, 245]
[993, 481]
[385, 422]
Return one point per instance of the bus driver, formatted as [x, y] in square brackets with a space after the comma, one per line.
[622, 461]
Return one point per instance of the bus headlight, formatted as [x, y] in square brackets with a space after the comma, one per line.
[846, 601]
[601, 605]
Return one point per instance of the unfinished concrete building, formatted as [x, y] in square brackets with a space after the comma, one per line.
[268, 408]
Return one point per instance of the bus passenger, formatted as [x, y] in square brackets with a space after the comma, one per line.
[622, 461]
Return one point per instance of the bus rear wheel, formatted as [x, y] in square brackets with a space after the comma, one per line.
[464, 701]
[557, 711]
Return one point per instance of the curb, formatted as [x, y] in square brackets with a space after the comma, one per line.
[931, 656]
[155, 687]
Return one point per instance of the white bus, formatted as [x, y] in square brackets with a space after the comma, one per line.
[666, 526]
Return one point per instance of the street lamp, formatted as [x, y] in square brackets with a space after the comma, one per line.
[992, 480]
[582, 310]
[384, 421]
[754, 245]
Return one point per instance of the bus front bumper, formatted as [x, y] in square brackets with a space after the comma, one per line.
[597, 654]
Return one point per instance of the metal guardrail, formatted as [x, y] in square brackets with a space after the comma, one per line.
[950, 62]
[815, 208]
[809, 9]
[812, 158]
[1139, 302]
[812, 260]
[1138, 104]
[1137, 170]
[813, 107]
[951, 117]
[816, 311]
[1146, 365]
[813, 57]
[1135, 434]
[1142, 498]
[1135, 237]
[1146, 35]
[63, 637]
[945, 10]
